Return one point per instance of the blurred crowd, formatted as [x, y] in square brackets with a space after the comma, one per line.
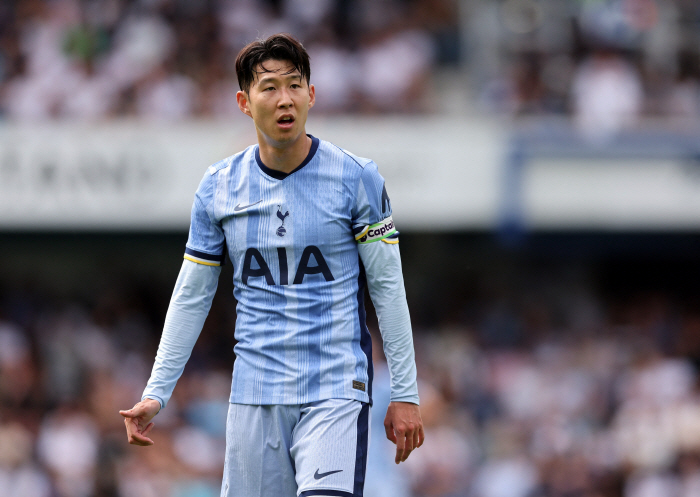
[608, 407]
[605, 62]
[174, 59]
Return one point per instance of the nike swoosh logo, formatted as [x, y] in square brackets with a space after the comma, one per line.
[240, 207]
[318, 475]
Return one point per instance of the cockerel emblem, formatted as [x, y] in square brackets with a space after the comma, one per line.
[281, 231]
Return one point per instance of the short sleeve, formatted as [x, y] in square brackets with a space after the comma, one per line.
[206, 243]
[372, 213]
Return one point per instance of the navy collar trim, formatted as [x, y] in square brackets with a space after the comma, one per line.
[279, 174]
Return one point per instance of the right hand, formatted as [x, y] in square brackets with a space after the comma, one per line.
[137, 421]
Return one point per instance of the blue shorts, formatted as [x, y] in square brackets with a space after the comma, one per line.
[318, 448]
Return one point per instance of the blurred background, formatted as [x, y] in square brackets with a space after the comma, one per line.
[543, 161]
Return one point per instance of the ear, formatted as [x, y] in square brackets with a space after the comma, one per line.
[312, 95]
[243, 104]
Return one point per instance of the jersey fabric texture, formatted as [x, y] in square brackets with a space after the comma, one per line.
[318, 448]
[293, 242]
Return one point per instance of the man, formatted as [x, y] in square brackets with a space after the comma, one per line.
[305, 225]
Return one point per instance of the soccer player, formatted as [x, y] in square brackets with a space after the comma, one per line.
[306, 225]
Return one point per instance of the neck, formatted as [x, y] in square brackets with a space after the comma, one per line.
[284, 157]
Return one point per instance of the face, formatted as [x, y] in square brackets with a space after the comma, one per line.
[279, 102]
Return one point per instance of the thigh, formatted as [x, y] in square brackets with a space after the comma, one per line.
[258, 441]
[329, 448]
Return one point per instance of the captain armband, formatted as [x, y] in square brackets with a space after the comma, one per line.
[383, 230]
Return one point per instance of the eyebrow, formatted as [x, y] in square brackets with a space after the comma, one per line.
[273, 76]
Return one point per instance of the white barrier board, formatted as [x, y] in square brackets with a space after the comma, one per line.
[133, 175]
[443, 174]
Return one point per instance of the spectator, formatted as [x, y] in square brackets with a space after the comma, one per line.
[607, 95]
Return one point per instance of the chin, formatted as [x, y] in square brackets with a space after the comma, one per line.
[286, 138]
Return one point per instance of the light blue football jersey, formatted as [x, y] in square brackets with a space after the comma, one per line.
[293, 242]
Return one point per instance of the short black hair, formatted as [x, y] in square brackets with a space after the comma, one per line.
[281, 46]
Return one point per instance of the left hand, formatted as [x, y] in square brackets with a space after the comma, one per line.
[404, 427]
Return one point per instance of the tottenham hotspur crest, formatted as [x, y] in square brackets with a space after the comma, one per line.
[281, 231]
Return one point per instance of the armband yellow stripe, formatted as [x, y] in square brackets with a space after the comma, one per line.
[362, 233]
[200, 261]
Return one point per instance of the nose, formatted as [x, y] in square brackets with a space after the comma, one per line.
[285, 99]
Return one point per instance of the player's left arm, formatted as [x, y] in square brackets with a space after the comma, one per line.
[378, 247]
[403, 423]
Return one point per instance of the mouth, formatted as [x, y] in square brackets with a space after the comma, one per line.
[286, 121]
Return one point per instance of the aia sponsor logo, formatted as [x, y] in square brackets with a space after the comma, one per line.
[311, 263]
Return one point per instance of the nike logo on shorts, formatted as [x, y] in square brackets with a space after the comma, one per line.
[318, 475]
[240, 207]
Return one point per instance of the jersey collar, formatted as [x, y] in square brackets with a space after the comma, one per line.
[279, 174]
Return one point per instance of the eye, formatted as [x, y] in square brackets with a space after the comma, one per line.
[269, 88]
[296, 85]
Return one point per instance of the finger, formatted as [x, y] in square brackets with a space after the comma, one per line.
[138, 439]
[390, 433]
[147, 429]
[408, 445]
[134, 435]
[416, 438]
[422, 436]
[134, 428]
[400, 447]
[131, 423]
[408, 448]
[134, 412]
[131, 427]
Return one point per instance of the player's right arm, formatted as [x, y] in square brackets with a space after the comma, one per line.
[190, 303]
[188, 309]
[189, 306]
